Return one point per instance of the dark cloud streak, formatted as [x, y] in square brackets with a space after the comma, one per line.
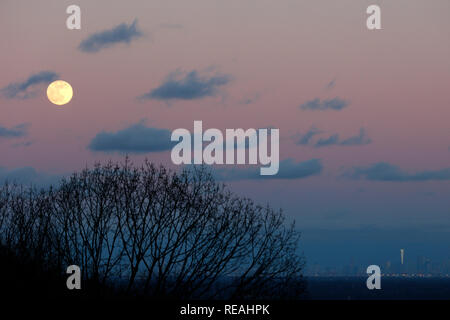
[358, 140]
[137, 138]
[307, 137]
[187, 86]
[336, 104]
[383, 171]
[18, 131]
[122, 33]
[20, 90]
[333, 140]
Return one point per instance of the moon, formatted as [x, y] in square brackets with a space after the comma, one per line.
[59, 92]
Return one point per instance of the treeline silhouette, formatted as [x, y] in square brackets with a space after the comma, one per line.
[145, 231]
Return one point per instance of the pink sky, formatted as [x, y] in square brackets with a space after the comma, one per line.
[279, 53]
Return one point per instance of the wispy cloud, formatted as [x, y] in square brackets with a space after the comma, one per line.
[18, 131]
[358, 140]
[122, 33]
[330, 85]
[188, 86]
[330, 141]
[138, 138]
[289, 169]
[322, 105]
[23, 90]
[383, 171]
[250, 99]
[307, 137]
[333, 140]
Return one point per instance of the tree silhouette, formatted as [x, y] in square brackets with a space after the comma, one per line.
[148, 231]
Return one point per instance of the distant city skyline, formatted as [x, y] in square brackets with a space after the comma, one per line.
[422, 266]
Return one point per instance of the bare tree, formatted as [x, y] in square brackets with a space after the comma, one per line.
[154, 232]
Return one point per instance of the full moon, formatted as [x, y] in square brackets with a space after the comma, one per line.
[59, 92]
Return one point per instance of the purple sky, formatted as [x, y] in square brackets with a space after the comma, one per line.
[253, 64]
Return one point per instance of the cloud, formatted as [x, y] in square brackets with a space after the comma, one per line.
[307, 137]
[333, 140]
[250, 99]
[289, 169]
[331, 84]
[27, 175]
[358, 140]
[122, 33]
[383, 171]
[187, 86]
[20, 90]
[137, 138]
[325, 142]
[330, 104]
[18, 131]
